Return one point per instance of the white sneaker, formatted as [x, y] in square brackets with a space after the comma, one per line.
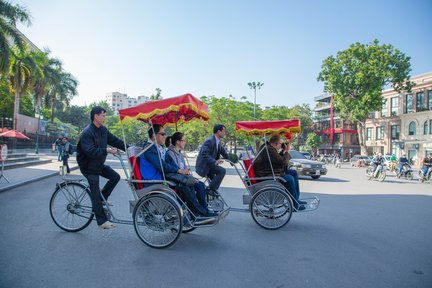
[107, 225]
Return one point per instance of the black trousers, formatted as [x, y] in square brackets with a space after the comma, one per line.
[65, 162]
[216, 175]
[93, 180]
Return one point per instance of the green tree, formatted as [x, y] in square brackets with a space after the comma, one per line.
[9, 35]
[51, 74]
[7, 99]
[23, 72]
[79, 116]
[357, 76]
[62, 90]
[157, 95]
[313, 141]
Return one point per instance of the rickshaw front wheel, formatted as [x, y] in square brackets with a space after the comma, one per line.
[271, 208]
[157, 220]
[71, 206]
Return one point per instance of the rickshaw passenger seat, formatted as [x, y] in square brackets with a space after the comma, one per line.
[132, 152]
[251, 172]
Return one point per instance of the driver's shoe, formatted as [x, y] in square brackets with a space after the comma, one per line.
[107, 225]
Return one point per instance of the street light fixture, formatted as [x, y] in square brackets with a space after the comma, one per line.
[254, 86]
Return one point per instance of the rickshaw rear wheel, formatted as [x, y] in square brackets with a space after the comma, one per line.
[157, 220]
[271, 208]
[71, 207]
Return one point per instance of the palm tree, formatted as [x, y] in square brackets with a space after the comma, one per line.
[9, 35]
[63, 90]
[23, 72]
[51, 70]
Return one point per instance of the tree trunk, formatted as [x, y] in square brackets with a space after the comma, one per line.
[52, 109]
[360, 132]
[16, 108]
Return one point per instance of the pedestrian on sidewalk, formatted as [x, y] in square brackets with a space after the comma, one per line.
[66, 152]
[92, 150]
[58, 144]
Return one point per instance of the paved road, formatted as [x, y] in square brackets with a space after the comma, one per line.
[365, 234]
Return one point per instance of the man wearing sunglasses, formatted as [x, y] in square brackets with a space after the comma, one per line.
[153, 164]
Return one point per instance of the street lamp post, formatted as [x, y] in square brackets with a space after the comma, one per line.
[38, 114]
[254, 86]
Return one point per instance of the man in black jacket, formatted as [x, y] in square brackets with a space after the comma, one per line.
[92, 151]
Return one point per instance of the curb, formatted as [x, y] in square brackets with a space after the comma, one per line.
[34, 179]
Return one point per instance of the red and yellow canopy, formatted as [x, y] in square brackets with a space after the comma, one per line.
[260, 128]
[168, 111]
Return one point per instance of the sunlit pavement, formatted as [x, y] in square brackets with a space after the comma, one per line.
[364, 234]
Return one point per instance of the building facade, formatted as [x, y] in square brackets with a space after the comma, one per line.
[404, 124]
[119, 101]
[338, 136]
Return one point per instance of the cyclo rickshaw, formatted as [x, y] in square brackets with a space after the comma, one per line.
[159, 215]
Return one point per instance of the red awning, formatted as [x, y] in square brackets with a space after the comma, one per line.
[14, 134]
[268, 127]
[168, 111]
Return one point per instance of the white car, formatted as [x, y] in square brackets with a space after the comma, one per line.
[192, 153]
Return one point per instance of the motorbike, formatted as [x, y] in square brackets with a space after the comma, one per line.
[379, 174]
[407, 172]
[428, 177]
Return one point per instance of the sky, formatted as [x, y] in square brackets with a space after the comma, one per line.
[214, 48]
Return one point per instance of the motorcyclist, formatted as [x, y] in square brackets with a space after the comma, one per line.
[376, 161]
[403, 160]
[427, 162]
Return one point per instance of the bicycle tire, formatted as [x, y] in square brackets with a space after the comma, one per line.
[157, 220]
[71, 206]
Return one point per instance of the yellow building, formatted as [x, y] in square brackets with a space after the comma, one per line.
[404, 125]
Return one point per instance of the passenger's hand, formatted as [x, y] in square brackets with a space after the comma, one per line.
[183, 171]
[112, 150]
[219, 161]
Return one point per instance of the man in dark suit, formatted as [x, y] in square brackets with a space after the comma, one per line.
[208, 160]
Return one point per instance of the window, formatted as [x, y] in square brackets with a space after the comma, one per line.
[395, 131]
[430, 126]
[408, 103]
[384, 109]
[368, 134]
[419, 102]
[429, 100]
[379, 133]
[393, 148]
[412, 128]
[425, 128]
[394, 102]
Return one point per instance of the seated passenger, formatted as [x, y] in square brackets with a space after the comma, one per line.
[286, 147]
[151, 169]
[263, 167]
[175, 157]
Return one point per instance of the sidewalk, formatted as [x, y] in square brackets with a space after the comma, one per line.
[24, 175]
